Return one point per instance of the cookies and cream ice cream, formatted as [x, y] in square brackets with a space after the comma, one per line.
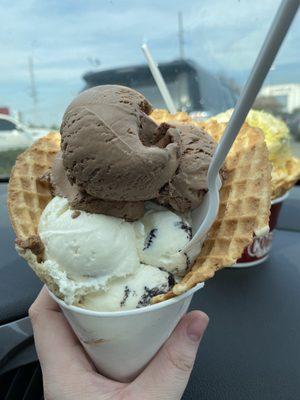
[161, 234]
[133, 291]
[98, 254]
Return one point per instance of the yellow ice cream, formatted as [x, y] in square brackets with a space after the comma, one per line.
[286, 168]
[276, 133]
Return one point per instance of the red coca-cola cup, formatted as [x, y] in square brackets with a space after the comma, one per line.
[258, 251]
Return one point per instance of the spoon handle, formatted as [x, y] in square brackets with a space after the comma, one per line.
[275, 36]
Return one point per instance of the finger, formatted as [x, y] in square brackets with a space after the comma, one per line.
[56, 344]
[168, 373]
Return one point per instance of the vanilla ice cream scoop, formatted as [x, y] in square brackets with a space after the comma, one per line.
[87, 245]
[161, 235]
[134, 291]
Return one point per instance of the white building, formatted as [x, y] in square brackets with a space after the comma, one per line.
[287, 94]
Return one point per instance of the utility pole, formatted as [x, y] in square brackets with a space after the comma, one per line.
[33, 92]
[180, 35]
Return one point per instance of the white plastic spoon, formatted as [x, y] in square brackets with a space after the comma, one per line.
[204, 216]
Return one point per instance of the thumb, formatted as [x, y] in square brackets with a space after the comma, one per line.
[168, 373]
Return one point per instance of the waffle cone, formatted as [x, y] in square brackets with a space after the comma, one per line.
[244, 203]
[28, 195]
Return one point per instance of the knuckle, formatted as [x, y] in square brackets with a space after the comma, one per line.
[180, 361]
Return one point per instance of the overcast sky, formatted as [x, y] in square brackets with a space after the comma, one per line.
[62, 35]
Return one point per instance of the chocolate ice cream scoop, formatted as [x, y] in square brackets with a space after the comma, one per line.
[187, 187]
[114, 157]
[112, 150]
[80, 200]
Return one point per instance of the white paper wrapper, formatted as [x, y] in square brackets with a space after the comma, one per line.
[121, 343]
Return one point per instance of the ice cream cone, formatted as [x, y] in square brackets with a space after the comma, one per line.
[244, 205]
[115, 339]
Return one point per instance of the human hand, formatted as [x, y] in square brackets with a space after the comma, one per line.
[68, 373]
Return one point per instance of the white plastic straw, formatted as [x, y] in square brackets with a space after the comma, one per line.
[159, 80]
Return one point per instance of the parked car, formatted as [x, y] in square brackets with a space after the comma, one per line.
[13, 134]
[14, 138]
[192, 88]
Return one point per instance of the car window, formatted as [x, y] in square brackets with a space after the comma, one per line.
[204, 49]
[6, 125]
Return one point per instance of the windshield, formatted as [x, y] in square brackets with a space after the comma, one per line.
[205, 50]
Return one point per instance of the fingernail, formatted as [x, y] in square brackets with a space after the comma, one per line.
[196, 328]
